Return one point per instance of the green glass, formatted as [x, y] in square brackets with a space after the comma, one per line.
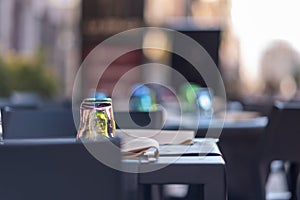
[96, 119]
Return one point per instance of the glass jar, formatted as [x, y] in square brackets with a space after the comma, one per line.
[96, 119]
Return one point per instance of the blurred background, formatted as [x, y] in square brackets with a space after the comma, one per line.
[254, 44]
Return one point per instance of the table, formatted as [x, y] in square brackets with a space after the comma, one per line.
[208, 171]
[190, 168]
[189, 122]
[239, 143]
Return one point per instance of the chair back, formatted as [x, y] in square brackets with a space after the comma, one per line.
[37, 123]
[280, 141]
[139, 120]
[57, 169]
[282, 135]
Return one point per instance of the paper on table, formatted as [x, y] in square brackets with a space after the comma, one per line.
[137, 145]
[145, 142]
[238, 115]
[199, 148]
[161, 136]
[143, 147]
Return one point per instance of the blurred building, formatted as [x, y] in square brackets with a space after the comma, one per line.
[67, 30]
[101, 19]
[29, 26]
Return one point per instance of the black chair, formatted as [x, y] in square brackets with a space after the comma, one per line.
[37, 123]
[239, 147]
[280, 142]
[139, 120]
[58, 169]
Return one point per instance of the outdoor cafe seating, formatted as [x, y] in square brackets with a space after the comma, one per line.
[248, 149]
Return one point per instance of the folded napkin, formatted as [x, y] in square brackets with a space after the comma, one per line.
[141, 147]
[145, 142]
